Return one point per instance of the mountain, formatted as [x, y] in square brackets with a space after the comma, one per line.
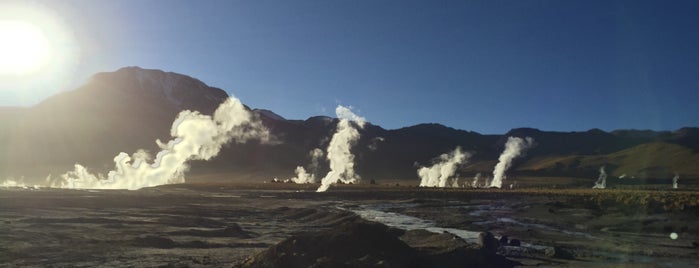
[129, 109]
[117, 111]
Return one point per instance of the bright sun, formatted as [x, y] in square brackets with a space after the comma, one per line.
[24, 48]
[38, 52]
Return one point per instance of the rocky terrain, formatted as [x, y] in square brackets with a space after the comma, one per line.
[289, 225]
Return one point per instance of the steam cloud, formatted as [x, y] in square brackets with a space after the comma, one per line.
[375, 143]
[439, 174]
[11, 182]
[601, 182]
[315, 154]
[674, 181]
[195, 137]
[304, 177]
[513, 148]
[339, 155]
[474, 184]
[455, 183]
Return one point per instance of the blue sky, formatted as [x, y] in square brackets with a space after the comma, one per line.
[486, 66]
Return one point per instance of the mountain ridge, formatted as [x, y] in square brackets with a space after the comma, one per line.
[130, 108]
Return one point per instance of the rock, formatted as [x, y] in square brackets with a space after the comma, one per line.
[354, 244]
[488, 243]
[503, 240]
[515, 242]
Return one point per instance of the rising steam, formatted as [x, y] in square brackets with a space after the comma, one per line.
[474, 183]
[674, 181]
[455, 182]
[17, 183]
[513, 148]
[304, 177]
[315, 154]
[441, 172]
[195, 137]
[601, 182]
[339, 155]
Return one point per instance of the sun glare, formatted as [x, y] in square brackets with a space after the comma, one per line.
[24, 48]
[38, 52]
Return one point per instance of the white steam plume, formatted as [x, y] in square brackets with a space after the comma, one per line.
[375, 143]
[339, 155]
[17, 183]
[474, 184]
[302, 176]
[601, 182]
[195, 137]
[513, 148]
[438, 174]
[674, 181]
[455, 182]
[315, 154]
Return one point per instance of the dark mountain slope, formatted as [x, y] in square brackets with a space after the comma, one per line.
[121, 111]
[129, 109]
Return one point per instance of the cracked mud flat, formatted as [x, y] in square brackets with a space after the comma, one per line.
[197, 225]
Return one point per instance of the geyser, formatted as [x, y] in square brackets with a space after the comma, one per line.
[195, 137]
[443, 170]
[674, 181]
[455, 182]
[513, 148]
[474, 183]
[601, 182]
[302, 176]
[339, 154]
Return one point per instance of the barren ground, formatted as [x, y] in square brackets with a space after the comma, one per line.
[223, 224]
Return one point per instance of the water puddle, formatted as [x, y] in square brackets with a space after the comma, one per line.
[401, 221]
[406, 222]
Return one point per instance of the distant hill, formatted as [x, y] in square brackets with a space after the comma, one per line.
[128, 109]
[647, 160]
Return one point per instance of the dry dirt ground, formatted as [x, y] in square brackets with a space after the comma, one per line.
[197, 225]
